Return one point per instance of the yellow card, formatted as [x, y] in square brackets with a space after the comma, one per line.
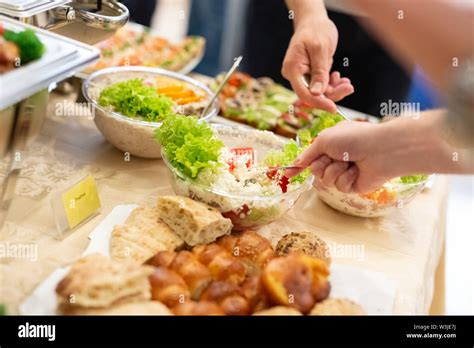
[81, 201]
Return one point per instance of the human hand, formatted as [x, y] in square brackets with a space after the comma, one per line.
[311, 52]
[349, 156]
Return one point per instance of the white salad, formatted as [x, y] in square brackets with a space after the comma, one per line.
[238, 180]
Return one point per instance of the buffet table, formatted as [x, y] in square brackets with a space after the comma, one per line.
[406, 246]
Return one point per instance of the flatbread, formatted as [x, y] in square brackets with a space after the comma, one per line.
[98, 282]
[142, 236]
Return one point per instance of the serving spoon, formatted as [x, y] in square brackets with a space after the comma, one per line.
[221, 86]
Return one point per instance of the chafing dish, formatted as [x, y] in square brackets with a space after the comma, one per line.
[89, 21]
[24, 95]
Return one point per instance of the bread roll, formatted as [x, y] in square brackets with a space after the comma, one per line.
[195, 222]
[306, 243]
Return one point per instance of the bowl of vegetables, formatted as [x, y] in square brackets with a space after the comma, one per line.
[129, 103]
[231, 169]
[394, 194]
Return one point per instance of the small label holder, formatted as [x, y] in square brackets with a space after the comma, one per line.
[75, 205]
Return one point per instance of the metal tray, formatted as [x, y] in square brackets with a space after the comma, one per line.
[62, 58]
[27, 8]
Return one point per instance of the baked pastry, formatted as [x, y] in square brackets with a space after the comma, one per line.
[229, 296]
[297, 281]
[279, 310]
[248, 245]
[96, 281]
[337, 306]
[306, 243]
[168, 287]
[195, 222]
[133, 308]
[142, 236]
[221, 264]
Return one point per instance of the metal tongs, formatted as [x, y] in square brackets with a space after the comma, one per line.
[224, 82]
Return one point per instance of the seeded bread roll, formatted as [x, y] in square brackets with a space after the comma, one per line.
[337, 306]
[98, 282]
[195, 222]
[306, 243]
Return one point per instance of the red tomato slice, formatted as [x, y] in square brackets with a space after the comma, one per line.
[245, 153]
[284, 181]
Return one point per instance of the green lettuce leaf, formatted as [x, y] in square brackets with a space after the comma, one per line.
[323, 121]
[285, 157]
[413, 179]
[189, 145]
[132, 98]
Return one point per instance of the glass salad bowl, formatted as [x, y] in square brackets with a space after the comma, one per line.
[135, 134]
[393, 195]
[247, 210]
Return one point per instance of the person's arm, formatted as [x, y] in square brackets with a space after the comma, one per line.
[311, 52]
[360, 157]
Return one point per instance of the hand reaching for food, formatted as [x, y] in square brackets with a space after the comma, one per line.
[311, 52]
[360, 157]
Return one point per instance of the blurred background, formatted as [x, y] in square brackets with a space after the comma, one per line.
[260, 31]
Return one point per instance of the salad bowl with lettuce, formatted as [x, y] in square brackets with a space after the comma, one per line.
[394, 194]
[129, 103]
[230, 168]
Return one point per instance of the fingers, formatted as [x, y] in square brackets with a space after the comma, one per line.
[320, 165]
[333, 171]
[320, 62]
[340, 91]
[314, 151]
[335, 78]
[346, 180]
[339, 88]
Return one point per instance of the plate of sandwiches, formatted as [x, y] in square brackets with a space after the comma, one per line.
[181, 257]
[137, 45]
[264, 104]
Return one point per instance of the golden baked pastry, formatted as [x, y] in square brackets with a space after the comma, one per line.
[337, 306]
[195, 222]
[306, 243]
[168, 287]
[248, 245]
[98, 282]
[297, 281]
[279, 310]
[142, 236]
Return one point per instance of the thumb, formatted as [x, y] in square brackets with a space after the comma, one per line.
[319, 74]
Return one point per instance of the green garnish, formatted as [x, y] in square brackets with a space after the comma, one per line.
[413, 179]
[30, 46]
[323, 121]
[132, 98]
[107, 53]
[285, 157]
[3, 311]
[189, 145]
